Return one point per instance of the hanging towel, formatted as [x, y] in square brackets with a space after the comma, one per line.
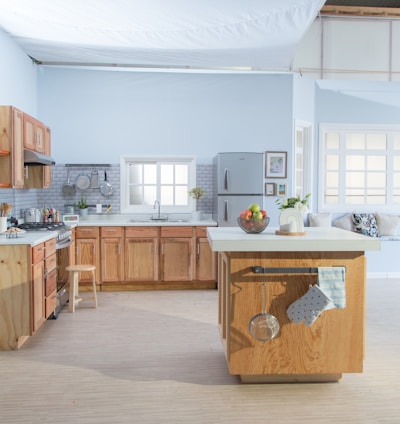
[331, 280]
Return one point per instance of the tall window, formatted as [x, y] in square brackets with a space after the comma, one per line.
[303, 158]
[359, 168]
[166, 179]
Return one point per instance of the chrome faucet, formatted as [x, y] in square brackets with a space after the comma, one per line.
[157, 202]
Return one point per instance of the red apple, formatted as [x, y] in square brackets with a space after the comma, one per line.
[264, 213]
[246, 214]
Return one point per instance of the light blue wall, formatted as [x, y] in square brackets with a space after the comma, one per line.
[18, 77]
[96, 116]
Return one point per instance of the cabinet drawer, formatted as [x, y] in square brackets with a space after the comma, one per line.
[51, 282]
[87, 232]
[37, 253]
[50, 247]
[51, 303]
[201, 231]
[111, 232]
[50, 263]
[176, 231]
[141, 231]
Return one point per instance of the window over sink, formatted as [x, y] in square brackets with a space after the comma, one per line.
[167, 179]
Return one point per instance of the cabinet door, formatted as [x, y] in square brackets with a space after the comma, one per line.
[176, 259]
[29, 132]
[141, 259]
[206, 261]
[87, 253]
[38, 293]
[40, 136]
[18, 149]
[112, 259]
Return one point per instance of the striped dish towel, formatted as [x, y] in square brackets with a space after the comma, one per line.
[331, 280]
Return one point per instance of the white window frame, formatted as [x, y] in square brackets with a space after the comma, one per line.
[342, 207]
[126, 160]
[303, 185]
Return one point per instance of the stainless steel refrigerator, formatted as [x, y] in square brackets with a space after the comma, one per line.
[239, 182]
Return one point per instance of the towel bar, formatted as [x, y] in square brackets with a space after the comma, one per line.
[306, 270]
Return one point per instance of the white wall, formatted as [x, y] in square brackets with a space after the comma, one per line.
[18, 77]
[96, 116]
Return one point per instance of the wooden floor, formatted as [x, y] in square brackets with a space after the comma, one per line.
[156, 357]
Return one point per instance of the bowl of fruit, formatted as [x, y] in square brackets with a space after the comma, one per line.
[253, 220]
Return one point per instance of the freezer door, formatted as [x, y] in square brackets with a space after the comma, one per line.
[229, 208]
[240, 173]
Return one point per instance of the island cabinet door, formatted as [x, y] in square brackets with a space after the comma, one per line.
[141, 254]
[38, 292]
[205, 259]
[176, 254]
[333, 344]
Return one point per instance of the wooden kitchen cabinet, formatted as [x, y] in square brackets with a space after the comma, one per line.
[11, 148]
[47, 152]
[205, 259]
[112, 254]
[50, 277]
[88, 251]
[38, 292]
[176, 254]
[141, 254]
[34, 134]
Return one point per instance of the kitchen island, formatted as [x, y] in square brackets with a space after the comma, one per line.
[288, 265]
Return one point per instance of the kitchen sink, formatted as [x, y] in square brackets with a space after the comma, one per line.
[158, 220]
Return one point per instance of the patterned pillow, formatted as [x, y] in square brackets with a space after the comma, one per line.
[365, 223]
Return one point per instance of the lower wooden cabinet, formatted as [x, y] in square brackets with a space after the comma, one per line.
[141, 254]
[112, 254]
[87, 246]
[37, 289]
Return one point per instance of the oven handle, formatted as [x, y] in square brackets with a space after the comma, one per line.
[64, 243]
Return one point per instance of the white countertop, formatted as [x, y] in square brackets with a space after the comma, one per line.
[233, 239]
[126, 220]
[31, 238]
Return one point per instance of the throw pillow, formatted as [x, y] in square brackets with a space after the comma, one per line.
[365, 223]
[345, 222]
[387, 224]
[319, 219]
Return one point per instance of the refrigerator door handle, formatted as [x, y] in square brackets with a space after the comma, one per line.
[226, 210]
[226, 178]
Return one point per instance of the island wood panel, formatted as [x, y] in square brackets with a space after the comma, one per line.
[334, 344]
[15, 296]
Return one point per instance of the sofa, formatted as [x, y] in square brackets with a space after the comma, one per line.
[386, 227]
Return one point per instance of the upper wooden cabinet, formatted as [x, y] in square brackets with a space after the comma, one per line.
[11, 148]
[19, 131]
[34, 134]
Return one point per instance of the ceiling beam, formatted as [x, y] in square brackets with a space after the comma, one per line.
[379, 12]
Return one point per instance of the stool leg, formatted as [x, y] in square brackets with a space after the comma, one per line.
[73, 284]
[94, 289]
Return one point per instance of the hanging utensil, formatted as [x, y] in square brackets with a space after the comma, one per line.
[94, 179]
[68, 188]
[264, 326]
[83, 182]
[106, 189]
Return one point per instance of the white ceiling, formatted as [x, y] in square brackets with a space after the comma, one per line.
[208, 34]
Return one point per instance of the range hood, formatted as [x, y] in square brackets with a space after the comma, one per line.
[35, 158]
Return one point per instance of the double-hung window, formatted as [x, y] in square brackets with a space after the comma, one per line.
[166, 179]
[359, 168]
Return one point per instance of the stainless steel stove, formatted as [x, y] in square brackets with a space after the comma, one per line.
[63, 232]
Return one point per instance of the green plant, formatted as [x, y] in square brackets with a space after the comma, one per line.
[81, 204]
[196, 193]
[294, 202]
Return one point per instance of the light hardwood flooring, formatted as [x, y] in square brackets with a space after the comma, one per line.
[156, 357]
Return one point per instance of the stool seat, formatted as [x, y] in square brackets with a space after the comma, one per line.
[74, 298]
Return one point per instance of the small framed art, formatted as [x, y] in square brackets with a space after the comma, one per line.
[281, 189]
[275, 164]
[270, 189]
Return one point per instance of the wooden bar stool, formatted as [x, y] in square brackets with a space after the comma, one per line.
[74, 285]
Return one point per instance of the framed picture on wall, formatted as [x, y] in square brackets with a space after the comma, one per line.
[281, 189]
[275, 164]
[270, 189]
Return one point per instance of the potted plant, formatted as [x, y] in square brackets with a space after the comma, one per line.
[82, 206]
[196, 193]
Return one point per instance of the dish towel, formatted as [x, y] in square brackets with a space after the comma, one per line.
[309, 307]
[331, 280]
